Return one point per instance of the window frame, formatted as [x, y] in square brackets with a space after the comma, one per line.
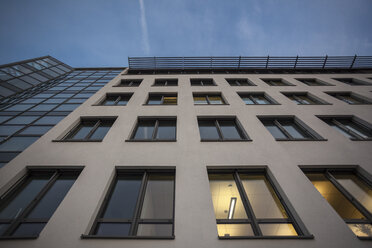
[293, 217]
[257, 93]
[160, 80]
[136, 220]
[56, 172]
[98, 121]
[319, 82]
[192, 81]
[313, 136]
[207, 95]
[156, 125]
[165, 94]
[238, 126]
[133, 82]
[340, 94]
[335, 120]
[311, 97]
[283, 81]
[352, 81]
[118, 96]
[356, 170]
[238, 84]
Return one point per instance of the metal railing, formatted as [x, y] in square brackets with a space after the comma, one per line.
[240, 62]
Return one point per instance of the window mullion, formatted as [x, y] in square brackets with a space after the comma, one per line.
[247, 205]
[207, 98]
[342, 126]
[162, 99]
[297, 99]
[94, 128]
[349, 196]
[218, 129]
[15, 223]
[117, 100]
[252, 99]
[139, 204]
[276, 122]
[154, 133]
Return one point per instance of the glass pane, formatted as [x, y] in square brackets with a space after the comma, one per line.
[40, 130]
[19, 107]
[9, 130]
[81, 132]
[334, 197]
[50, 120]
[200, 100]
[145, 129]
[154, 230]
[229, 129]
[234, 230]
[54, 100]
[247, 100]
[51, 200]
[3, 227]
[260, 99]
[166, 130]
[208, 130]
[226, 199]
[278, 230]
[29, 229]
[158, 202]
[17, 143]
[100, 132]
[361, 230]
[113, 229]
[358, 129]
[22, 197]
[4, 118]
[22, 120]
[274, 130]
[265, 203]
[294, 130]
[170, 100]
[215, 100]
[43, 107]
[123, 198]
[340, 130]
[357, 188]
[154, 100]
[67, 107]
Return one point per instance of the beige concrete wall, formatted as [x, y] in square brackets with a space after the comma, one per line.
[195, 224]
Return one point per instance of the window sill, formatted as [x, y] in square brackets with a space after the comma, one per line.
[364, 238]
[224, 104]
[317, 104]
[228, 140]
[270, 104]
[354, 139]
[76, 140]
[18, 237]
[83, 236]
[159, 104]
[267, 237]
[132, 140]
[301, 139]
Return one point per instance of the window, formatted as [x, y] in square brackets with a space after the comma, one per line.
[166, 82]
[90, 129]
[288, 128]
[221, 129]
[239, 82]
[351, 81]
[256, 98]
[140, 203]
[113, 99]
[162, 99]
[130, 82]
[350, 97]
[208, 98]
[155, 129]
[313, 82]
[202, 82]
[304, 98]
[27, 208]
[349, 195]
[350, 126]
[247, 204]
[276, 82]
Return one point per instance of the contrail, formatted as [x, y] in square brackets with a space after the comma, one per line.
[145, 36]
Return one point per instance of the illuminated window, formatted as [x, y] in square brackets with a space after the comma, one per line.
[139, 204]
[348, 194]
[208, 98]
[162, 99]
[246, 204]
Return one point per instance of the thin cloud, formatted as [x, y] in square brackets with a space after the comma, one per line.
[145, 36]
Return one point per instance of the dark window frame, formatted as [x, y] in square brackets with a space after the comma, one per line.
[207, 95]
[136, 220]
[165, 94]
[363, 175]
[126, 82]
[235, 82]
[118, 96]
[352, 81]
[238, 126]
[340, 94]
[158, 81]
[317, 81]
[209, 82]
[312, 135]
[295, 95]
[156, 125]
[56, 172]
[335, 119]
[269, 81]
[293, 217]
[260, 93]
[68, 137]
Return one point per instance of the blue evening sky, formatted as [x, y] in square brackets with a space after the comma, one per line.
[91, 33]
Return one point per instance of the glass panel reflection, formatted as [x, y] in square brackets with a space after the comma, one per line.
[113, 229]
[361, 230]
[154, 230]
[234, 230]
[29, 229]
[278, 230]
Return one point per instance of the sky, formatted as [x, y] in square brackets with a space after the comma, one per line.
[94, 33]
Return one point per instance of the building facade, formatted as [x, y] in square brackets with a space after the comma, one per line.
[191, 152]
